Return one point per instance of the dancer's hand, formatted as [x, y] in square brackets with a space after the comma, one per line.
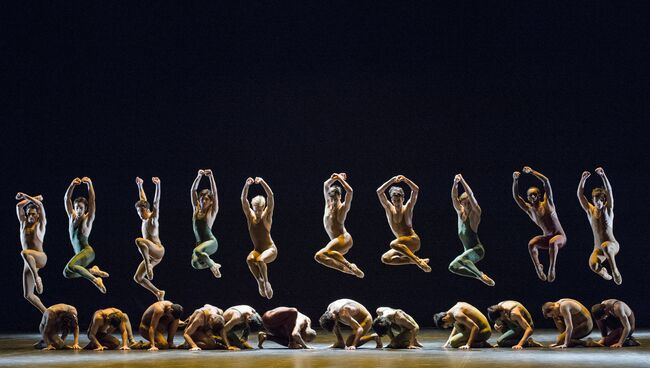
[586, 174]
[85, 180]
[153, 348]
[600, 171]
[100, 348]
[233, 348]
[464, 347]
[75, 347]
[563, 346]
[155, 180]
[399, 178]
[516, 347]
[335, 176]
[207, 172]
[76, 181]
[49, 347]
[343, 176]
[138, 180]
[617, 345]
[20, 196]
[527, 170]
[515, 175]
[258, 180]
[351, 347]
[250, 181]
[196, 348]
[125, 348]
[457, 178]
[200, 172]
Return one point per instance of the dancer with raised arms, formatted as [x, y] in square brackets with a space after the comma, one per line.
[541, 209]
[205, 205]
[400, 219]
[259, 217]
[333, 254]
[31, 216]
[149, 244]
[601, 218]
[81, 215]
[469, 217]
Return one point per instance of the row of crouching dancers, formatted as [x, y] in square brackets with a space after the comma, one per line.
[210, 328]
[539, 205]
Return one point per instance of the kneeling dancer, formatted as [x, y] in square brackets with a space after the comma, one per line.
[354, 315]
[59, 318]
[616, 322]
[470, 327]
[287, 327]
[513, 320]
[572, 319]
[202, 329]
[239, 317]
[399, 326]
[159, 319]
[104, 323]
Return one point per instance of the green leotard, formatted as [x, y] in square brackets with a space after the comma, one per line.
[464, 264]
[84, 254]
[206, 243]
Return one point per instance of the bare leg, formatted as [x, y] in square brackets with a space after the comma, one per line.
[28, 290]
[141, 280]
[76, 267]
[35, 260]
[554, 245]
[534, 255]
[267, 256]
[400, 245]
[611, 249]
[255, 270]
[596, 264]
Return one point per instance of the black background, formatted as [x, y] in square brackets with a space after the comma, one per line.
[295, 92]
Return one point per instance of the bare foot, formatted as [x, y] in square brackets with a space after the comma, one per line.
[269, 291]
[95, 271]
[100, 285]
[215, 270]
[160, 295]
[487, 280]
[261, 289]
[618, 279]
[540, 272]
[604, 274]
[337, 345]
[533, 344]
[356, 271]
[39, 284]
[380, 344]
[424, 264]
[261, 337]
[551, 275]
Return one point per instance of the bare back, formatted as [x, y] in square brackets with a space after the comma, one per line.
[334, 220]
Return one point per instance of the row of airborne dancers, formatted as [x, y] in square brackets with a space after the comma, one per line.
[259, 215]
[212, 328]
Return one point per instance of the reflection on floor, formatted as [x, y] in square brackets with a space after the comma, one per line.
[16, 350]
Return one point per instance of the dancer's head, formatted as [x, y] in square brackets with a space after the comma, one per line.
[259, 204]
[205, 199]
[464, 201]
[599, 197]
[550, 309]
[443, 320]
[495, 313]
[334, 194]
[143, 209]
[396, 196]
[308, 334]
[255, 322]
[381, 325]
[534, 195]
[216, 322]
[598, 311]
[80, 205]
[31, 212]
[68, 321]
[114, 319]
[327, 321]
[176, 310]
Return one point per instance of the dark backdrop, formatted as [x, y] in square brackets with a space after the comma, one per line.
[293, 94]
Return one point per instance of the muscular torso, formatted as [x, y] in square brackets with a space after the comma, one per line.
[79, 230]
[334, 220]
[510, 306]
[150, 230]
[104, 313]
[400, 220]
[355, 310]
[164, 321]
[545, 216]
[31, 236]
[259, 229]
[472, 313]
[602, 225]
[579, 313]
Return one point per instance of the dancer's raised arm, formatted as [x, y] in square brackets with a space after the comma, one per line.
[381, 192]
[156, 198]
[91, 199]
[608, 187]
[548, 191]
[415, 190]
[584, 202]
[213, 188]
[515, 192]
[472, 199]
[349, 192]
[270, 202]
[245, 205]
[195, 186]
[67, 198]
[454, 193]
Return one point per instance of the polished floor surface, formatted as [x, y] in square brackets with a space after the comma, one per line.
[16, 351]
